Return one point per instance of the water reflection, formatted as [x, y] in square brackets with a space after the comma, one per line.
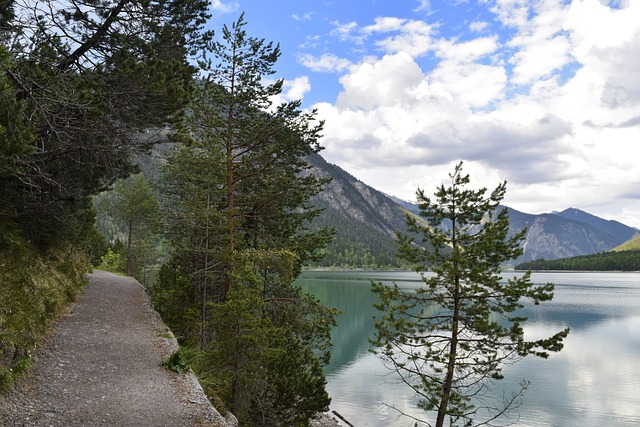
[594, 381]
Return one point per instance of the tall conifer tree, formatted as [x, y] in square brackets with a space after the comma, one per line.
[450, 339]
[237, 190]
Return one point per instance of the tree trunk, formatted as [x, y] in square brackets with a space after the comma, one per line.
[129, 261]
[230, 181]
[447, 385]
[203, 314]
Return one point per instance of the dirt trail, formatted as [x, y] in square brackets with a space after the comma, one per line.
[101, 367]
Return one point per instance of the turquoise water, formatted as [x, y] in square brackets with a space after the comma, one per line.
[594, 381]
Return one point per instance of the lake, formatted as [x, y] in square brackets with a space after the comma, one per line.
[593, 381]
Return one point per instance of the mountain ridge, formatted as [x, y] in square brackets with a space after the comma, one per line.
[366, 221]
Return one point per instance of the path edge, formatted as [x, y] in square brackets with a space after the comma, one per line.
[166, 334]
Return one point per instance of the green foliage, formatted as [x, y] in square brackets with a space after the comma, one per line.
[265, 344]
[80, 95]
[113, 262]
[356, 244]
[234, 195]
[77, 94]
[450, 339]
[262, 148]
[134, 208]
[269, 344]
[628, 260]
[35, 290]
[178, 301]
[94, 246]
[177, 362]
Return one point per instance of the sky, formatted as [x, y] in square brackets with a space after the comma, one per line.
[543, 94]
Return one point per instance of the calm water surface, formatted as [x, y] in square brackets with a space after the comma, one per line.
[594, 381]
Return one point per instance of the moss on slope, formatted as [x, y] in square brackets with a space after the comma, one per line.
[35, 288]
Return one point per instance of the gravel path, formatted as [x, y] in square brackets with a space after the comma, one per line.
[101, 367]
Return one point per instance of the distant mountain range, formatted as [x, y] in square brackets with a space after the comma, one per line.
[366, 221]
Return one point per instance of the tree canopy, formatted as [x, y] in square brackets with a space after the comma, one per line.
[88, 80]
[235, 195]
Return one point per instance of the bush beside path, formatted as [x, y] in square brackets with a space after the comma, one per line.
[101, 366]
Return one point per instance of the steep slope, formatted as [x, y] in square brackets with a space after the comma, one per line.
[552, 237]
[365, 219]
[632, 244]
[615, 229]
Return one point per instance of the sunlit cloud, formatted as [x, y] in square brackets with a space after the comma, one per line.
[219, 6]
[327, 63]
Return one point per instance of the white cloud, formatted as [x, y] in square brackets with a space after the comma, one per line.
[607, 42]
[222, 7]
[414, 37]
[326, 63]
[468, 51]
[292, 90]
[385, 25]
[542, 47]
[379, 82]
[296, 88]
[346, 32]
[512, 13]
[424, 6]
[478, 26]
[562, 125]
[473, 83]
[305, 17]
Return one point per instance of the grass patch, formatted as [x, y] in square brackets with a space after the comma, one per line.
[35, 288]
[183, 359]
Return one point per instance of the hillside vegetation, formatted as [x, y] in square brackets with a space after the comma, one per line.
[77, 92]
[630, 245]
[35, 289]
[604, 261]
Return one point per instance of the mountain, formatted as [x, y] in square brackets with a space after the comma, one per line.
[616, 229]
[366, 220]
[566, 234]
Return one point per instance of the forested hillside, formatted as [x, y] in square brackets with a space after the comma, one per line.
[365, 220]
[628, 260]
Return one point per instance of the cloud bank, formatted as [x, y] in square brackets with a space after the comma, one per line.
[545, 95]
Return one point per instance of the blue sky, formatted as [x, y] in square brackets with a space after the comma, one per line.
[542, 93]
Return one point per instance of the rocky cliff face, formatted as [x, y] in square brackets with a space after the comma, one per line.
[349, 198]
[553, 236]
[365, 219]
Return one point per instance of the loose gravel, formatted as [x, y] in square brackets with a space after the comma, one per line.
[101, 366]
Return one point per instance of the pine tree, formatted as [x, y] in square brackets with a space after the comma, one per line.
[236, 197]
[263, 147]
[133, 204]
[92, 79]
[450, 339]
